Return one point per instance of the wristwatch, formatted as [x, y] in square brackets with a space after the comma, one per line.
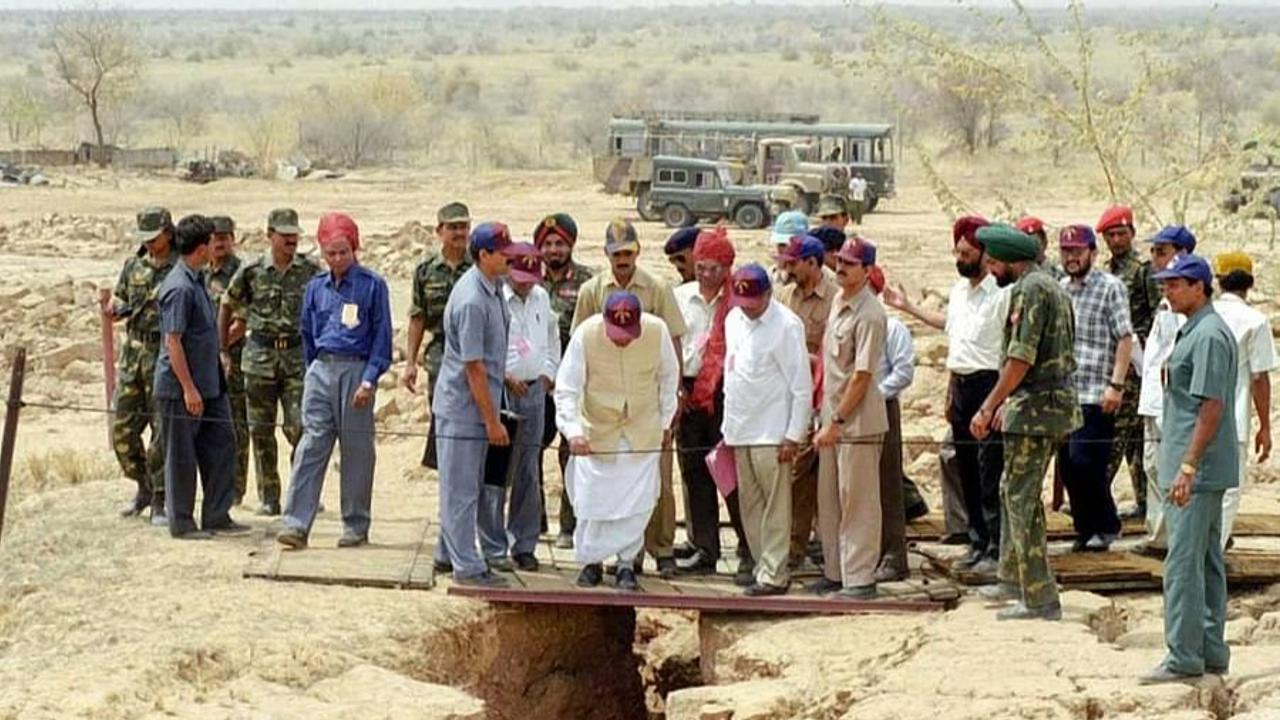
[1187, 469]
[837, 419]
[366, 385]
[1118, 387]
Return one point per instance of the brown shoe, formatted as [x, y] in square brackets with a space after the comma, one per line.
[292, 538]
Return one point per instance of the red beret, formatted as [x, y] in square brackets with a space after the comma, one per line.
[1115, 216]
[965, 227]
[1030, 225]
[334, 226]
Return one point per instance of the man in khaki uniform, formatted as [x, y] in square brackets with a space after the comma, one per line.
[656, 298]
[854, 422]
[808, 294]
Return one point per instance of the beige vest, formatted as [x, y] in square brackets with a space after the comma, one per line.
[622, 389]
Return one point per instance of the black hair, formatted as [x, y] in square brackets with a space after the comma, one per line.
[192, 232]
[1236, 281]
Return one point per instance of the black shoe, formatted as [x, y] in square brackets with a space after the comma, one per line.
[485, 579]
[699, 563]
[525, 562]
[764, 589]
[292, 538]
[591, 575]
[667, 568]
[1098, 543]
[141, 501]
[193, 535]
[857, 592]
[971, 558]
[1080, 544]
[685, 551]
[268, 509]
[499, 563]
[916, 511]
[889, 573]
[822, 586]
[956, 538]
[228, 527]
[442, 567]
[1231, 542]
[627, 580]
[745, 576]
[350, 539]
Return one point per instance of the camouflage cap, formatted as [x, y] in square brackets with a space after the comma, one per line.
[284, 221]
[620, 236]
[151, 222]
[223, 224]
[830, 205]
[453, 212]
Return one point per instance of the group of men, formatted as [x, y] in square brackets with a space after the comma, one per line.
[776, 390]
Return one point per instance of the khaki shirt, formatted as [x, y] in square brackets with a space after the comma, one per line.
[656, 297]
[854, 342]
[812, 307]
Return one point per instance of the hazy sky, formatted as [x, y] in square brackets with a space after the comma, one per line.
[443, 4]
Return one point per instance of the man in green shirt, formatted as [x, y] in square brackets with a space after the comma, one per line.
[1198, 463]
[222, 267]
[1035, 404]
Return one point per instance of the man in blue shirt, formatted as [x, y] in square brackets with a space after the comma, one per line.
[466, 400]
[346, 346]
[1198, 462]
[192, 395]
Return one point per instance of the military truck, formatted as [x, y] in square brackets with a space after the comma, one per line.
[686, 190]
[810, 158]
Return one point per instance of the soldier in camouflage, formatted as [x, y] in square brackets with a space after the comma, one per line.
[1034, 227]
[267, 291]
[433, 280]
[222, 267]
[555, 237]
[136, 300]
[1116, 227]
[1035, 405]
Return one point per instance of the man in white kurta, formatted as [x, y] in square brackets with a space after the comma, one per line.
[768, 397]
[615, 398]
[1256, 358]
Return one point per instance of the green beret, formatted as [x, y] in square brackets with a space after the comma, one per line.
[1008, 244]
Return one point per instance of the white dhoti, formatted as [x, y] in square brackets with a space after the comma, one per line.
[613, 497]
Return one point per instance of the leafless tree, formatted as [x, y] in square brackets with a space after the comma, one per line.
[96, 55]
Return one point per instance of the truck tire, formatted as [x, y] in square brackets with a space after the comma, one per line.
[645, 208]
[676, 215]
[750, 216]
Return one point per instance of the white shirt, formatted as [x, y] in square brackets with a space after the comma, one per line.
[698, 317]
[857, 188]
[898, 366]
[571, 382]
[533, 339]
[1164, 330]
[768, 388]
[975, 325]
[1255, 349]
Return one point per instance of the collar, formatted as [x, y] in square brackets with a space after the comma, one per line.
[858, 299]
[192, 273]
[509, 294]
[353, 271]
[822, 289]
[493, 287]
[639, 279]
[1230, 297]
[1195, 318]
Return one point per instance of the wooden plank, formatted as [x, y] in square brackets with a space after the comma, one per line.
[1058, 526]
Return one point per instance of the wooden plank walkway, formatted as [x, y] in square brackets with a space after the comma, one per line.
[1058, 527]
[399, 557]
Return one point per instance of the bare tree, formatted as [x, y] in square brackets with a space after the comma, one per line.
[26, 107]
[96, 55]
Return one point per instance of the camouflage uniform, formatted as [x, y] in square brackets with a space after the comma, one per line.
[433, 280]
[564, 298]
[271, 302]
[1038, 415]
[1144, 297]
[217, 281]
[138, 289]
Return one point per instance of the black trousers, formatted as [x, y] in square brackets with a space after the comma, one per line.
[568, 521]
[1083, 459]
[204, 445]
[981, 461]
[699, 431]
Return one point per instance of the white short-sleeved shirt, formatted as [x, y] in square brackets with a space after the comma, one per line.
[1256, 352]
[975, 325]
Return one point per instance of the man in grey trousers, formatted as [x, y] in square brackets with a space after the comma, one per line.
[346, 345]
[466, 400]
[192, 393]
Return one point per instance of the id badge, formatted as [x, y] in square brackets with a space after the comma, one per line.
[350, 315]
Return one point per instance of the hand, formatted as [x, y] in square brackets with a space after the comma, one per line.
[497, 434]
[980, 425]
[409, 381]
[895, 296]
[363, 396]
[548, 385]
[1111, 398]
[997, 422]
[1262, 443]
[236, 332]
[578, 446]
[519, 388]
[666, 439]
[195, 404]
[788, 451]
[105, 302]
[224, 356]
[826, 437]
[1180, 493]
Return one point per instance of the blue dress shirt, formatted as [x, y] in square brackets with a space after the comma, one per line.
[367, 335]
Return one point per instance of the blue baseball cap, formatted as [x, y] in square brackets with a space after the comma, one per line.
[751, 286]
[802, 247]
[1190, 267]
[1176, 235]
[491, 236]
[788, 225]
[622, 316]
[681, 240]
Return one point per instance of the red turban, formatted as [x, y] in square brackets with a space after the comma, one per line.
[966, 228]
[714, 245]
[336, 226]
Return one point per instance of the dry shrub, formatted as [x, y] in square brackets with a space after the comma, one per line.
[41, 471]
